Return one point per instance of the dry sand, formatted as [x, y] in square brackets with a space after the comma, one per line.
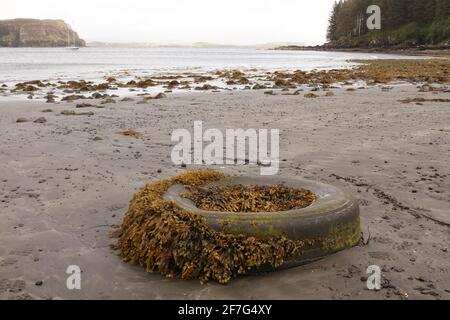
[64, 183]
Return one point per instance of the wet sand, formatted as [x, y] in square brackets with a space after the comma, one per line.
[64, 184]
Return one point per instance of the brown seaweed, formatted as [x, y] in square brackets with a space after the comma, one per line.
[162, 237]
[250, 198]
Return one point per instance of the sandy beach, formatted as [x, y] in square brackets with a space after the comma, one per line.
[65, 182]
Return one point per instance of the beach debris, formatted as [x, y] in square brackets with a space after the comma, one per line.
[422, 100]
[206, 87]
[282, 83]
[172, 84]
[22, 120]
[295, 93]
[50, 97]
[259, 86]
[329, 94]
[47, 110]
[68, 113]
[202, 78]
[85, 105]
[97, 95]
[311, 95]
[73, 97]
[73, 113]
[131, 133]
[108, 101]
[127, 99]
[158, 96]
[30, 86]
[186, 87]
[162, 237]
[142, 84]
[39, 283]
[233, 77]
[83, 85]
[433, 89]
[40, 120]
[249, 198]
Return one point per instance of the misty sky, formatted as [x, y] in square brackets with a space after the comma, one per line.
[184, 21]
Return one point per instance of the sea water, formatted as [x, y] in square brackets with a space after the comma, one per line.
[94, 63]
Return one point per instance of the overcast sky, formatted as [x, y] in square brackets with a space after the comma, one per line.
[184, 21]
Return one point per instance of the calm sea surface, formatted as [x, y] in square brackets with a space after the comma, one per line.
[19, 64]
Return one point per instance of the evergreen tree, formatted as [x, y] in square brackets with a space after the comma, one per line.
[333, 22]
[405, 22]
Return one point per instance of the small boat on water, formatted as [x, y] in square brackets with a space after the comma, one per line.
[71, 46]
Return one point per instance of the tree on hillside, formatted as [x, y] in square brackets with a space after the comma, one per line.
[405, 22]
[333, 21]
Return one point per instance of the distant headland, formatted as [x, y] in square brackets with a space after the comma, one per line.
[38, 33]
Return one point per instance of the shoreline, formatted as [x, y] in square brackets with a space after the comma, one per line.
[412, 51]
[295, 82]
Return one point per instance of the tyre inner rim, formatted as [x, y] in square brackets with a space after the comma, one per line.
[249, 198]
[322, 192]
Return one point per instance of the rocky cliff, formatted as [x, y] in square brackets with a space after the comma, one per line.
[37, 33]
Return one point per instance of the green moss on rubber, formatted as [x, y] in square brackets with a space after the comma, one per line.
[259, 229]
[343, 235]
